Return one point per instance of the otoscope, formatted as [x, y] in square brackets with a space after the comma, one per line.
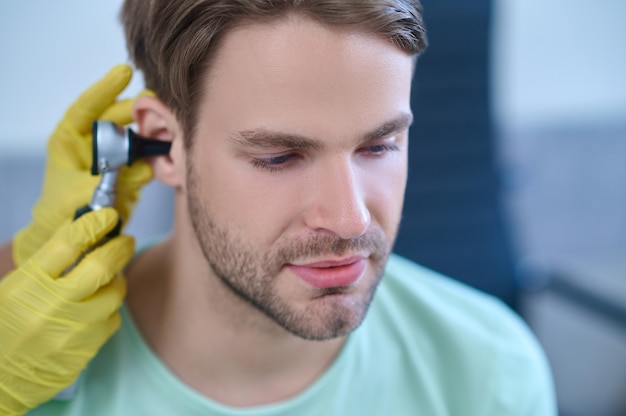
[113, 147]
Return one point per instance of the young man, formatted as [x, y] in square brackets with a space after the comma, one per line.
[276, 293]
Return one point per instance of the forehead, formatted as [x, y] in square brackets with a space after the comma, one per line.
[300, 74]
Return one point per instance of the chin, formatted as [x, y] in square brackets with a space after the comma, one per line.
[333, 313]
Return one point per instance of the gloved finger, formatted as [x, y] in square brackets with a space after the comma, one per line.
[9, 403]
[92, 337]
[97, 268]
[100, 305]
[62, 193]
[69, 149]
[120, 112]
[128, 187]
[105, 330]
[98, 97]
[74, 239]
[133, 178]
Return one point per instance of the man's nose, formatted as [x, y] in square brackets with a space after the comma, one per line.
[337, 203]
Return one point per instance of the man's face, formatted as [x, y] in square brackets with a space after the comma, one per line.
[296, 178]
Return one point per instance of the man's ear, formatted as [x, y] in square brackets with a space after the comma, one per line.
[156, 121]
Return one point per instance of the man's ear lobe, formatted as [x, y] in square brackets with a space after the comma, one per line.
[155, 121]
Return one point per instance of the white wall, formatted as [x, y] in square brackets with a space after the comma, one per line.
[559, 62]
[50, 51]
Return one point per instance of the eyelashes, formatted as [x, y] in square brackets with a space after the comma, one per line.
[283, 161]
[379, 150]
[274, 163]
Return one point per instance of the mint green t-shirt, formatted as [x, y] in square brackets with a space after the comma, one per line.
[428, 346]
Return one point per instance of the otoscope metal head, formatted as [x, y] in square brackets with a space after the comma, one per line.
[110, 147]
[116, 146]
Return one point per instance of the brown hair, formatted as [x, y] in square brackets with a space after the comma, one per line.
[172, 42]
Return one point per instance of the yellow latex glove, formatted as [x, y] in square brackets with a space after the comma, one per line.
[68, 184]
[51, 326]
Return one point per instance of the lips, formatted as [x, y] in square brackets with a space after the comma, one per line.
[330, 273]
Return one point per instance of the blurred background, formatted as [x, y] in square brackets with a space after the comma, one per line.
[518, 159]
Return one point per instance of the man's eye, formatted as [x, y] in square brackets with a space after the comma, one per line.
[378, 150]
[273, 163]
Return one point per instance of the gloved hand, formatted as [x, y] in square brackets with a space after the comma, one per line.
[68, 184]
[51, 326]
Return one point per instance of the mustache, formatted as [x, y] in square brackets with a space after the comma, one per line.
[373, 242]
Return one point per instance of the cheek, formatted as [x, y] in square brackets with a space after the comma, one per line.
[256, 206]
[385, 187]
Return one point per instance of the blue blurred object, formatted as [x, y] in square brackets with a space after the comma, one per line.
[453, 220]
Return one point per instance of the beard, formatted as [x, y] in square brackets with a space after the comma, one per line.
[252, 275]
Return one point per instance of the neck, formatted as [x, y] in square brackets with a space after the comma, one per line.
[213, 340]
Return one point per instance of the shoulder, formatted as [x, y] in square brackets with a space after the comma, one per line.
[427, 295]
[465, 337]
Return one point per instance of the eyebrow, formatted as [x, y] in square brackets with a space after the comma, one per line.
[263, 138]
